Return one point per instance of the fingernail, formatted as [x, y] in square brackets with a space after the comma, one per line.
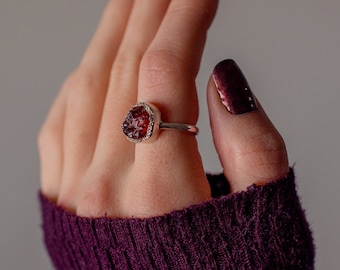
[233, 88]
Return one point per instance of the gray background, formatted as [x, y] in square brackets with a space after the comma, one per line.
[289, 51]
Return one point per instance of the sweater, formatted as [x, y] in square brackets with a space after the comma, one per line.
[263, 227]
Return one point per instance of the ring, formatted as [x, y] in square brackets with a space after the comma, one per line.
[143, 122]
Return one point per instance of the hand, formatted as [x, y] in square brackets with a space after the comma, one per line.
[147, 51]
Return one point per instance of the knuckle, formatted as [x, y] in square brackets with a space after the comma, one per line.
[162, 66]
[273, 141]
[269, 142]
[92, 204]
[95, 200]
[125, 64]
[265, 154]
[81, 82]
[123, 72]
[203, 10]
[161, 59]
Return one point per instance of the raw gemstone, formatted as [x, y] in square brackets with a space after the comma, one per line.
[136, 123]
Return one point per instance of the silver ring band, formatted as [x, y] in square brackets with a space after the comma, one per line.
[178, 126]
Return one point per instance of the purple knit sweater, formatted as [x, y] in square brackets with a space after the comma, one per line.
[261, 228]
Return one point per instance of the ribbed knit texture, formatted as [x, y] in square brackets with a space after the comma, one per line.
[261, 228]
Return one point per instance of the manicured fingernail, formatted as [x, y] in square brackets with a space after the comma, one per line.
[233, 88]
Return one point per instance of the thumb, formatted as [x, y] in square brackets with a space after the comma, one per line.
[250, 149]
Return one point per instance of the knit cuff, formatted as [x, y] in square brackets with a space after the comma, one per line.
[261, 228]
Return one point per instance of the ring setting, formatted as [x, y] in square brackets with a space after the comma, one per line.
[143, 123]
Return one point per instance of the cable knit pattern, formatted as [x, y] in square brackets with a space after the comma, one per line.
[261, 228]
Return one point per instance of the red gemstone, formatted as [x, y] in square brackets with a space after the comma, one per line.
[136, 123]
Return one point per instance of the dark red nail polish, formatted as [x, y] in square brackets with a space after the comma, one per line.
[233, 88]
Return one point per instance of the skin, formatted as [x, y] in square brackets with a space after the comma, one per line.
[147, 51]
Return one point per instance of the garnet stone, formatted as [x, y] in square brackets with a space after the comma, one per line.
[137, 123]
